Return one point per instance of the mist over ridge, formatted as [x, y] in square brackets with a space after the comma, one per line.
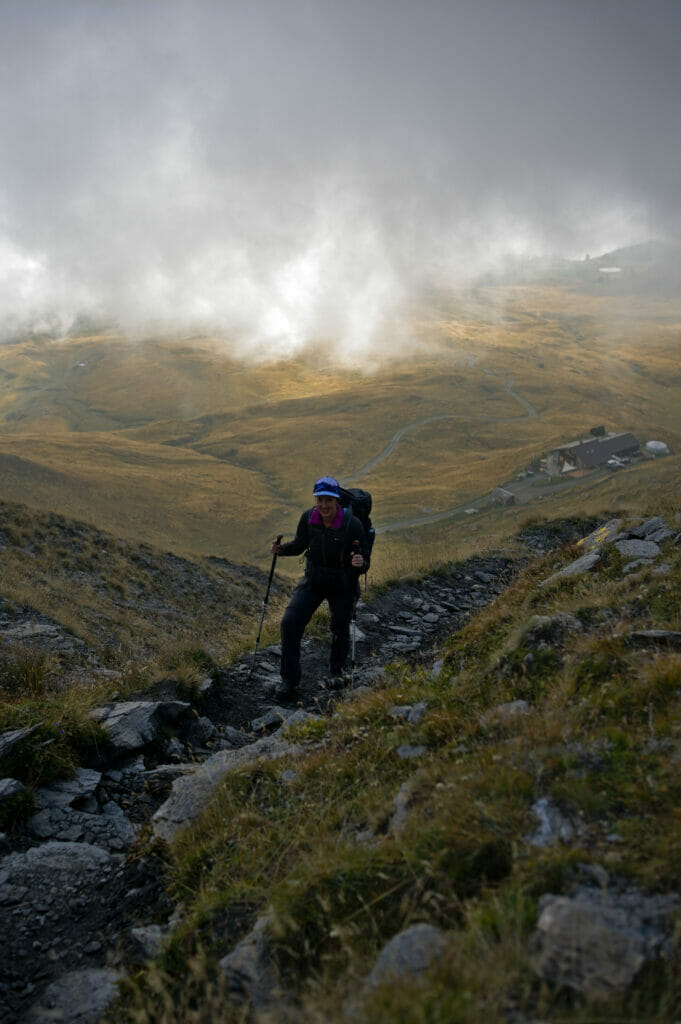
[292, 174]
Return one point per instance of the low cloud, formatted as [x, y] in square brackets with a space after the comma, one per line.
[291, 174]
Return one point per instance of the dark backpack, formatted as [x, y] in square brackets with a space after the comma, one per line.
[359, 503]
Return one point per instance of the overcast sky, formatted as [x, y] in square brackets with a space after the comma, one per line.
[288, 169]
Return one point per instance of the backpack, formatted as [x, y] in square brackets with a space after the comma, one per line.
[359, 503]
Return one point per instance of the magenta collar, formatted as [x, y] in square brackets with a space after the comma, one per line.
[316, 519]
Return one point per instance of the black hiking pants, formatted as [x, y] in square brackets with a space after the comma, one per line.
[305, 601]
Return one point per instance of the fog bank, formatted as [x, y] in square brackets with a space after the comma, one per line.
[283, 172]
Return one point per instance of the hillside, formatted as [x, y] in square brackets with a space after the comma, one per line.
[66, 586]
[174, 442]
[484, 826]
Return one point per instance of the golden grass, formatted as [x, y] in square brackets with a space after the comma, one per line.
[174, 442]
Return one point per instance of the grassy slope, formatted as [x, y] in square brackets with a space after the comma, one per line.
[601, 741]
[119, 617]
[125, 602]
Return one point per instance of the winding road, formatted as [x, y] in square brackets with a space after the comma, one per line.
[392, 444]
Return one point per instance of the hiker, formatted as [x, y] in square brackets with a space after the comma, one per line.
[336, 554]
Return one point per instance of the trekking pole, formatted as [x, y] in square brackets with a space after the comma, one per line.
[353, 626]
[264, 607]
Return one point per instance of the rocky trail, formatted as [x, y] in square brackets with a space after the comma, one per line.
[82, 899]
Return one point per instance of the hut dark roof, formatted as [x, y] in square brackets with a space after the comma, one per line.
[598, 450]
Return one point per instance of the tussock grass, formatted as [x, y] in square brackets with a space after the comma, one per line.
[63, 736]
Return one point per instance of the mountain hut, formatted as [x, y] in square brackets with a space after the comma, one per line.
[592, 452]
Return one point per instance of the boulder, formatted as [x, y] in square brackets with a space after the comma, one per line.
[273, 718]
[553, 827]
[407, 752]
[503, 714]
[660, 536]
[551, 629]
[148, 940]
[401, 805]
[647, 528]
[65, 792]
[596, 941]
[601, 536]
[10, 788]
[407, 955]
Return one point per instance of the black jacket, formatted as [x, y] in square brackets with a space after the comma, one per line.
[328, 549]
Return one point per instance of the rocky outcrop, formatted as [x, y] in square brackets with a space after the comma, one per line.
[14, 736]
[639, 544]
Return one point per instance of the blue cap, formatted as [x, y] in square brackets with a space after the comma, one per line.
[327, 485]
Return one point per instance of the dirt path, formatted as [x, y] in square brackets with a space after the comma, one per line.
[524, 491]
[392, 444]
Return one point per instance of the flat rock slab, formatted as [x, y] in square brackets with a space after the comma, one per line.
[133, 724]
[72, 858]
[583, 564]
[600, 536]
[113, 831]
[655, 638]
[190, 793]
[31, 630]
[14, 736]
[637, 548]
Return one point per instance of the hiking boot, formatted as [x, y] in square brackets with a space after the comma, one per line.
[285, 691]
[336, 681]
